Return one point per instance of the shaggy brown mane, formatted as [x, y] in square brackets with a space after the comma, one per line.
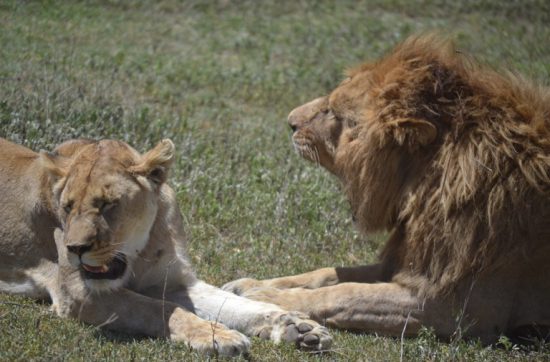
[467, 191]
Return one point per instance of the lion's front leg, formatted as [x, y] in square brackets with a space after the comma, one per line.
[312, 280]
[254, 318]
[385, 308]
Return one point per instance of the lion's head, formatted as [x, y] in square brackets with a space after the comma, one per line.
[372, 133]
[106, 198]
[429, 143]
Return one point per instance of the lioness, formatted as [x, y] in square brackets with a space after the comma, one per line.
[120, 261]
[454, 159]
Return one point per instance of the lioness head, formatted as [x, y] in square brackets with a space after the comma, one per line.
[106, 198]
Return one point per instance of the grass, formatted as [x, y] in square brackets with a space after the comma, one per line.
[219, 78]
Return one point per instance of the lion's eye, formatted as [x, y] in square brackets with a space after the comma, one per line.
[68, 207]
[335, 116]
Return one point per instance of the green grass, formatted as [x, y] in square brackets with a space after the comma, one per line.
[219, 78]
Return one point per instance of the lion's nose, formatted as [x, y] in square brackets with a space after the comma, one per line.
[78, 249]
[293, 127]
[292, 122]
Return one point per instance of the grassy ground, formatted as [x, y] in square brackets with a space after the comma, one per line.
[218, 78]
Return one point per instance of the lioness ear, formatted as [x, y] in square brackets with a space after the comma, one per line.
[54, 164]
[155, 164]
[413, 132]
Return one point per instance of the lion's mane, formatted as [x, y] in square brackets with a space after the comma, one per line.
[472, 196]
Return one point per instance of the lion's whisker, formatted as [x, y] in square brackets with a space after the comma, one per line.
[317, 158]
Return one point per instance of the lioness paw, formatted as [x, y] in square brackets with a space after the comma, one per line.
[240, 286]
[227, 343]
[296, 327]
[218, 341]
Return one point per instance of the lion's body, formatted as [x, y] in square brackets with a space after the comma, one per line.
[120, 260]
[455, 160]
[480, 186]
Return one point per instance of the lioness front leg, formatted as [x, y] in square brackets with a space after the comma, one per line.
[254, 318]
[385, 308]
[312, 280]
[128, 311]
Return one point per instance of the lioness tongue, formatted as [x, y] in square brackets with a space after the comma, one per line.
[96, 269]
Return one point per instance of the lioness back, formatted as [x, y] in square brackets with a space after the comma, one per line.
[24, 217]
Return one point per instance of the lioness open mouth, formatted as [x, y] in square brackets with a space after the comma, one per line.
[113, 270]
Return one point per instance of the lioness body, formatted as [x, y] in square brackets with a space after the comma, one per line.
[120, 261]
[26, 218]
[452, 158]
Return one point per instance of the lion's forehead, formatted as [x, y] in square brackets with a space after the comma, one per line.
[346, 100]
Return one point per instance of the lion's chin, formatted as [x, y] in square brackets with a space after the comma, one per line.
[315, 153]
[305, 150]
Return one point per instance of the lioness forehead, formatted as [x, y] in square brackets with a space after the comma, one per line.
[101, 160]
[101, 169]
[112, 151]
[100, 178]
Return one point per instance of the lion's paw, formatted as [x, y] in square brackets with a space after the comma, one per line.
[240, 286]
[296, 327]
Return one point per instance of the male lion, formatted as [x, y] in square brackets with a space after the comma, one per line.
[454, 159]
[120, 260]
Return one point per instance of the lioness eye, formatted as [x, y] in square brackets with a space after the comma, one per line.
[107, 205]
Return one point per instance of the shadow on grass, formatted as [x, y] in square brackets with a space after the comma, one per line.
[120, 337]
[524, 340]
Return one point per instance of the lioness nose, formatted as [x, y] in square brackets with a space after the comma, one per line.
[78, 249]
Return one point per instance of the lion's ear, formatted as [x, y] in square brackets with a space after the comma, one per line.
[55, 165]
[413, 132]
[155, 164]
